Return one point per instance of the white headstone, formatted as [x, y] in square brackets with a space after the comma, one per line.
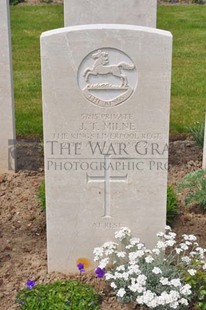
[7, 123]
[204, 148]
[106, 98]
[131, 12]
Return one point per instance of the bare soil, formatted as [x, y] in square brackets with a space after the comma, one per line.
[23, 227]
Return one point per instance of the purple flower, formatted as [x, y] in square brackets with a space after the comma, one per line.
[80, 266]
[20, 302]
[68, 302]
[100, 272]
[30, 284]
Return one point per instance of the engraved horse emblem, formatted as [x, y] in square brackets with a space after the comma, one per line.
[101, 67]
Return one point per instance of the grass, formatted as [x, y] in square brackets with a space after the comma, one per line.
[28, 22]
[188, 25]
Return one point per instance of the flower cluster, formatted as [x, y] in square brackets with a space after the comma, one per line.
[153, 278]
[30, 284]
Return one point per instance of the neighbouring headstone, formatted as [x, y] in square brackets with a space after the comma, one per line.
[132, 12]
[106, 102]
[204, 148]
[7, 122]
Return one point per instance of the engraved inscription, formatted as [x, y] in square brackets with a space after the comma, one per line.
[107, 225]
[107, 77]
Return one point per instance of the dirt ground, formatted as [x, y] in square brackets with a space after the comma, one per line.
[23, 228]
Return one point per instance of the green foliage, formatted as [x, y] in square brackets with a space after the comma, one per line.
[172, 203]
[15, 2]
[198, 284]
[195, 183]
[197, 132]
[66, 295]
[42, 195]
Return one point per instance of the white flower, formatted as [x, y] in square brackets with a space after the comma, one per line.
[164, 281]
[192, 272]
[109, 251]
[121, 254]
[110, 245]
[178, 250]
[138, 284]
[122, 233]
[140, 246]
[189, 237]
[149, 299]
[161, 245]
[156, 270]
[174, 305]
[200, 250]
[175, 282]
[119, 275]
[170, 242]
[149, 259]
[109, 248]
[204, 267]
[127, 275]
[134, 241]
[113, 285]
[139, 253]
[156, 251]
[183, 301]
[188, 242]
[120, 268]
[128, 247]
[172, 234]
[186, 290]
[160, 234]
[109, 276]
[186, 259]
[167, 227]
[184, 246]
[134, 269]
[142, 279]
[121, 292]
[133, 257]
[98, 252]
[103, 263]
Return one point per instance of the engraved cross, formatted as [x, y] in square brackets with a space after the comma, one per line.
[106, 179]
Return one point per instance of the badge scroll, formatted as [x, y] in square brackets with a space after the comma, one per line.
[107, 77]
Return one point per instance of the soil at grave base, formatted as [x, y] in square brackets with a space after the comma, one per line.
[23, 228]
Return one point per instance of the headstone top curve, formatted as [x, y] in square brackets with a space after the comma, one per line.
[105, 27]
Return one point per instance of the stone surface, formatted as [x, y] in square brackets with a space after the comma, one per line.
[131, 12]
[7, 123]
[106, 99]
[204, 149]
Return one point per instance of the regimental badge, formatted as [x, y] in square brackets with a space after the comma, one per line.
[107, 77]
